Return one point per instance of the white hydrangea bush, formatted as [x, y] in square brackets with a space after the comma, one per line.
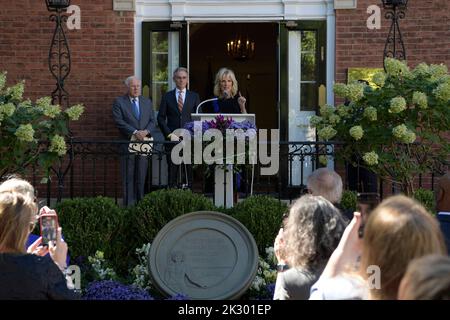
[31, 133]
[398, 128]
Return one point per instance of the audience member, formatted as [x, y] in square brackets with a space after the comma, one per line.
[312, 231]
[427, 278]
[443, 206]
[24, 275]
[397, 231]
[328, 184]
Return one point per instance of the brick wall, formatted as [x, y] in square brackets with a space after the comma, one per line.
[102, 56]
[425, 31]
[426, 35]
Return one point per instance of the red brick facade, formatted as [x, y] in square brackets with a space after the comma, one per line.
[103, 50]
[425, 31]
[102, 56]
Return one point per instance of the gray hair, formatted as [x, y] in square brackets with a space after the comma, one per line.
[326, 183]
[180, 69]
[128, 80]
[312, 232]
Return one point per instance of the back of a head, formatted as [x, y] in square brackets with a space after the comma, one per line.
[313, 230]
[326, 183]
[427, 278]
[398, 231]
[17, 212]
[18, 185]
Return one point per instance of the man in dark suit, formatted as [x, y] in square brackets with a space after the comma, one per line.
[134, 117]
[175, 111]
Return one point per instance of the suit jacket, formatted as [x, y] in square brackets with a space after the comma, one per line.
[126, 120]
[169, 117]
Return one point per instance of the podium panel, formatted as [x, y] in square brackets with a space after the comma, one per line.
[223, 190]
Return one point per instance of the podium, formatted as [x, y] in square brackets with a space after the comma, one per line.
[223, 179]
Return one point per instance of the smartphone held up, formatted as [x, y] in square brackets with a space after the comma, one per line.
[49, 225]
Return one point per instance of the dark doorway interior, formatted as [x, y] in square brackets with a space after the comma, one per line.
[257, 77]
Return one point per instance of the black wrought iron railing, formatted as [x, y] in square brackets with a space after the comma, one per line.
[93, 168]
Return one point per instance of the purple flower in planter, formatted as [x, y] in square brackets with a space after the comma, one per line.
[113, 290]
[178, 296]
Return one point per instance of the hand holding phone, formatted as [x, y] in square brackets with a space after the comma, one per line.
[49, 225]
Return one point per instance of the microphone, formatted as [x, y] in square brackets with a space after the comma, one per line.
[225, 94]
[212, 99]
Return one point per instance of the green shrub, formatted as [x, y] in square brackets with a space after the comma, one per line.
[90, 225]
[156, 209]
[262, 215]
[349, 200]
[426, 198]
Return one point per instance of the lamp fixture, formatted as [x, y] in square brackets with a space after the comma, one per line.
[55, 5]
[241, 48]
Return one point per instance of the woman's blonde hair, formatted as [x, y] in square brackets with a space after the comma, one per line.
[18, 185]
[17, 212]
[225, 72]
[398, 231]
[313, 230]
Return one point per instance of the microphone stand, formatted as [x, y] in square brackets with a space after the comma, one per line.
[212, 99]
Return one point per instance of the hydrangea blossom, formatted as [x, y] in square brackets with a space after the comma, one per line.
[25, 132]
[396, 67]
[327, 133]
[51, 110]
[356, 132]
[58, 145]
[403, 134]
[371, 158]
[75, 111]
[420, 99]
[379, 78]
[16, 91]
[370, 113]
[355, 91]
[442, 92]
[6, 110]
[397, 105]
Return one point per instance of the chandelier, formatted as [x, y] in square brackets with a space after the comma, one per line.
[241, 48]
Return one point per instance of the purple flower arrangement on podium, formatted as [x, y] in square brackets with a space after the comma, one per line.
[240, 132]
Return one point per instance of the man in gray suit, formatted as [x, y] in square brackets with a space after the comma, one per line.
[175, 111]
[133, 114]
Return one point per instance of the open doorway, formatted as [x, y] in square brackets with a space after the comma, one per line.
[257, 77]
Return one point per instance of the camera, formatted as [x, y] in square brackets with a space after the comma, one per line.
[48, 220]
[366, 202]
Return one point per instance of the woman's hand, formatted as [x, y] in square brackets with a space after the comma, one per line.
[241, 101]
[37, 249]
[58, 251]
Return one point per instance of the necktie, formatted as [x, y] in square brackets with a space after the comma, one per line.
[136, 108]
[180, 101]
